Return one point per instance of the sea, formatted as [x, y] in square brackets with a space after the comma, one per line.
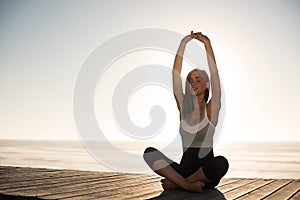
[246, 159]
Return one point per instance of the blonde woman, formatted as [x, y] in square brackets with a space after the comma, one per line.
[198, 168]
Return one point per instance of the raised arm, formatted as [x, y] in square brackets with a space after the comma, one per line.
[177, 85]
[215, 102]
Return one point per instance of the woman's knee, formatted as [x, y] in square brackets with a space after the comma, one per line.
[222, 163]
[149, 150]
[150, 155]
[216, 168]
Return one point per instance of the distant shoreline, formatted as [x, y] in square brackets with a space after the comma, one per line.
[246, 159]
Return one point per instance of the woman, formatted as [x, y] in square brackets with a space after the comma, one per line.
[198, 168]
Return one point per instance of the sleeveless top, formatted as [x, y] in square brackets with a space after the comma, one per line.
[199, 135]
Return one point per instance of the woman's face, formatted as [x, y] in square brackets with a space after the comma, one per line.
[197, 83]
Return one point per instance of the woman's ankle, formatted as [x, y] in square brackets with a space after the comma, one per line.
[195, 186]
[186, 186]
[189, 180]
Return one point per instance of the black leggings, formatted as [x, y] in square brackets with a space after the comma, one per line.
[214, 168]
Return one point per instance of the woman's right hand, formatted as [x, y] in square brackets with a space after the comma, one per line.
[187, 38]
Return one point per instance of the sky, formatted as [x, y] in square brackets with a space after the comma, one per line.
[44, 44]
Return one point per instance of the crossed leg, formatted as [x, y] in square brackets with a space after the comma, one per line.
[173, 179]
[197, 176]
[209, 174]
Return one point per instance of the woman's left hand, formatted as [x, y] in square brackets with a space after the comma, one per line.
[202, 38]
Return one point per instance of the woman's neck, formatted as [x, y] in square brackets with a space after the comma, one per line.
[199, 102]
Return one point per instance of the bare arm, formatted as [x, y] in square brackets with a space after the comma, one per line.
[215, 102]
[177, 67]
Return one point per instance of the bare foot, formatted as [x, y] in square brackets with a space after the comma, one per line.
[168, 185]
[195, 186]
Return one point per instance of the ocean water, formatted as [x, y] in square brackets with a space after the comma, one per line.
[246, 159]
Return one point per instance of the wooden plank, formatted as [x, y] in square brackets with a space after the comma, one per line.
[29, 175]
[132, 191]
[233, 194]
[127, 189]
[23, 169]
[296, 196]
[235, 185]
[146, 188]
[285, 192]
[265, 190]
[62, 187]
[95, 189]
[96, 194]
[58, 174]
[226, 181]
[145, 180]
[26, 185]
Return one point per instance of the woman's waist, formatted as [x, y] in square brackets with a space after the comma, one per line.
[197, 141]
[198, 152]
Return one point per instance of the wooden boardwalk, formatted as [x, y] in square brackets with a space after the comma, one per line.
[39, 183]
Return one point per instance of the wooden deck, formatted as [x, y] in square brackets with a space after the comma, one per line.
[39, 183]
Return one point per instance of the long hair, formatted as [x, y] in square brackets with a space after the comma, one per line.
[188, 105]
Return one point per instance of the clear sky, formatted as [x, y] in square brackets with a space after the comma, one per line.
[43, 45]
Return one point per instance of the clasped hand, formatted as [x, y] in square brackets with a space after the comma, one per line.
[198, 36]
